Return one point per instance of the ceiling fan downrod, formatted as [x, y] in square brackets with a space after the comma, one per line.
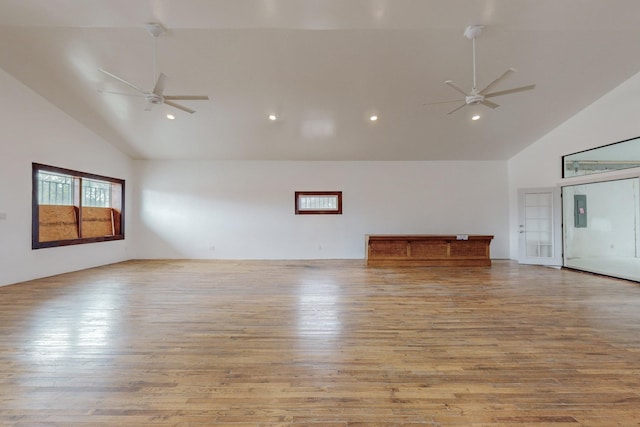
[155, 29]
[472, 32]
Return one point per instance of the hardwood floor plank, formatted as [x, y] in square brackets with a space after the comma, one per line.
[319, 343]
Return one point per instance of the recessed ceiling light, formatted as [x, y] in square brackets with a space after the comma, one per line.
[170, 116]
[373, 118]
[476, 117]
[273, 117]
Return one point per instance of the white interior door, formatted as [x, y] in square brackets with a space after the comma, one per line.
[539, 226]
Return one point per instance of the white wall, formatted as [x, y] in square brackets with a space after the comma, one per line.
[33, 130]
[245, 210]
[614, 117]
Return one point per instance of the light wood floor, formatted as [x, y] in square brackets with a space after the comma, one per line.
[319, 343]
[623, 267]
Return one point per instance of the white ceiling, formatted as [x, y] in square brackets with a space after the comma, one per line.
[323, 66]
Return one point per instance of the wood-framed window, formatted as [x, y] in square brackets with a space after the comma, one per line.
[318, 202]
[71, 207]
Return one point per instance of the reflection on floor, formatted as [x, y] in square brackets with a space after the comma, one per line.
[622, 267]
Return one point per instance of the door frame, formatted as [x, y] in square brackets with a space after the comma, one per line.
[556, 227]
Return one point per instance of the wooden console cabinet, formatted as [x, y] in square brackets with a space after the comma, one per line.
[428, 250]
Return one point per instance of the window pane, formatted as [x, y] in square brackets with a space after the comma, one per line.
[96, 193]
[318, 202]
[55, 189]
[611, 157]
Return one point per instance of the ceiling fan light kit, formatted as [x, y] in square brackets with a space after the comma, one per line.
[475, 96]
[156, 97]
[155, 29]
[473, 31]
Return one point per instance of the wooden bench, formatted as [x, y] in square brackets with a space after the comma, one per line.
[429, 250]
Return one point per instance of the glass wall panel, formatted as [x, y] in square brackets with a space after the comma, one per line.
[601, 227]
[612, 157]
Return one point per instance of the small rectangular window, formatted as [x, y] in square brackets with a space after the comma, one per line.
[318, 202]
[71, 207]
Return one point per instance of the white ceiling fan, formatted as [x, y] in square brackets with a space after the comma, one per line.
[481, 96]
[156, 96]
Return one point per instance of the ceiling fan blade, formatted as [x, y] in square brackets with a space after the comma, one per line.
[490, 104]
[137, 95]
[179, 107]
[450, 83]
[121, 80]
[443, 102]
[187, 97]
[453, 111]
[159, 87]
[508, 91]
[498, 80]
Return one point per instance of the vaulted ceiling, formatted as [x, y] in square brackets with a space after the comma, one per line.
[323, 67]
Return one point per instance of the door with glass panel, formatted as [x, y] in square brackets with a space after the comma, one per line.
[539, 226]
